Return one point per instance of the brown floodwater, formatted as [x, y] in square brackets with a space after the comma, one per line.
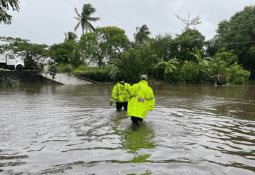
[194, 130]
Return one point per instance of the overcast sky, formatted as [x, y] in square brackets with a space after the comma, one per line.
[46, 21]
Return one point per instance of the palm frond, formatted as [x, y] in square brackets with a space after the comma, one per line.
[77, 26]
[78, 19]
[91, 27]
[77, 13]
[93, 18]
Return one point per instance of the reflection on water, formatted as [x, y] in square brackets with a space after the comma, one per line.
[73, 130]
[137, 137]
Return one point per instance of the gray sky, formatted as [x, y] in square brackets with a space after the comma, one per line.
[46, 21]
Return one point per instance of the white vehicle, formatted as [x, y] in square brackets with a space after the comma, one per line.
[11, 61]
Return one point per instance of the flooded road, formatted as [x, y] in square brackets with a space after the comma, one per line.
[194, 130]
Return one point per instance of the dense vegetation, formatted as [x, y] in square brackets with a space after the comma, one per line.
[106, 53]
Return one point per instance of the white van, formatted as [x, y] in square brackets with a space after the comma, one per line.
[11, 61]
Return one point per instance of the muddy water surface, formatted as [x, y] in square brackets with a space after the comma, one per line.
[194, 130]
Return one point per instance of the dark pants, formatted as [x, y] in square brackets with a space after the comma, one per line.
[119, 105]
[136, 120]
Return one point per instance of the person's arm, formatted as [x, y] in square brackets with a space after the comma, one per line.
[114, 95]
[151, 100]
[127, 88]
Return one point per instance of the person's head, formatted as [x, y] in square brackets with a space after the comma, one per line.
[122, 82]
[144, 77]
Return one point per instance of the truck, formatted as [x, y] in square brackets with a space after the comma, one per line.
[9, 60]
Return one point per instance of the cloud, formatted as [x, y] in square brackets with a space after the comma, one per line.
[46, 21]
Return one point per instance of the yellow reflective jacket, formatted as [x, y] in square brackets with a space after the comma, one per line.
[120, 92]
[141, 101]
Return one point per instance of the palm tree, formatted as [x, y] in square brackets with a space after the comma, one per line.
[202, 61]
[142, 34]
[84, 18]
[168, 66]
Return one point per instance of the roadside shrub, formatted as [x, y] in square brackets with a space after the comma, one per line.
[236, 75]
[173, 77]
[189, 72]
[96, 74]
[82, 67]
[67, 68]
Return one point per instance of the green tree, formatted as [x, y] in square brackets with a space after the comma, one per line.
[234, 74]
[189, 72]
[212, 47]
[202, 66]
[104, 44]
[90, 48]
[84, 18]
[196, 70]
[187, 42]
[32, 53]
[112, 41]
[66, 53]
[9, 43]
[238, 34]
[163, 46]
[169, 68]
[134, 62]
[6, 5]
[225, 63]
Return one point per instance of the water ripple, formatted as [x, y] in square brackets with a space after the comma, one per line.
[73, 130]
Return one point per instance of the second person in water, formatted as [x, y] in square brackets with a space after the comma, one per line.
[120, 95]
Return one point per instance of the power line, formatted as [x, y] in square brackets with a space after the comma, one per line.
[211, 43]
[234, 43]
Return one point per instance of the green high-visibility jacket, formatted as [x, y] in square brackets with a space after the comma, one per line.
[141, 101]
[120, 92]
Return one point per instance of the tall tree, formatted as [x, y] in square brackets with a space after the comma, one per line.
[32, 53]
[134, 62]
[66, 53]
[9, 43]
[6, 5]
[104, 44]
[84, 18]
[142, 34]
[187, 42]
[238, 34]
[163, 46]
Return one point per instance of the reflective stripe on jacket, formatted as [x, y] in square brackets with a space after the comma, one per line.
[120, 92]
[141, 101]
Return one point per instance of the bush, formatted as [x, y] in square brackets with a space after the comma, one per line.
[96, 74]
[236, 75]
[64, 68]
[82, 67]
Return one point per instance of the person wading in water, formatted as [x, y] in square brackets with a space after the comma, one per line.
[120, 95]
[141, 100]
